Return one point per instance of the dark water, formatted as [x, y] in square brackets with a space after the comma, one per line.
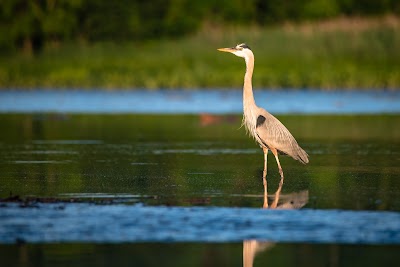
[189, 160]
[196, 254]
[164, 171]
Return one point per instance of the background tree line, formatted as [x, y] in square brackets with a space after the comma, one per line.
[30, 24]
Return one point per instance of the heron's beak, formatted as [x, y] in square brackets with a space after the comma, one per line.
[228, 49]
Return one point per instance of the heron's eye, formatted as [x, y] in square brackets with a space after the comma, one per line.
[243, 46]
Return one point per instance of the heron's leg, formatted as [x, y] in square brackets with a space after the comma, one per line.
[265, 183]
[265, 150]
[275, 152]
[274, 204]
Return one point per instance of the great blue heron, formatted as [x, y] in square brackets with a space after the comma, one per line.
[267, 130]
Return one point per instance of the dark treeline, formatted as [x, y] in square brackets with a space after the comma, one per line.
[30, 24]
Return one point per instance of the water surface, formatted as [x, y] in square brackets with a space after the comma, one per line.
[186, 160]
[199, 101]
[135, 176]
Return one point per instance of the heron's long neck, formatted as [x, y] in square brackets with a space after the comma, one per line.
[249, 105]
[248, 98]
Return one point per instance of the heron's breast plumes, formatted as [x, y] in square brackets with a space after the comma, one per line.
[250, 122]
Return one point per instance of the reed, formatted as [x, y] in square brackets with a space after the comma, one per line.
[339, 54]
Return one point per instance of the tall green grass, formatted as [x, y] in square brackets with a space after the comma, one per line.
[340, 54]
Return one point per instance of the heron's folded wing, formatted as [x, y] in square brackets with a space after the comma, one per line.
[275, 135]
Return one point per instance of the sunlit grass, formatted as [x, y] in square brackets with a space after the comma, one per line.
[340, 54]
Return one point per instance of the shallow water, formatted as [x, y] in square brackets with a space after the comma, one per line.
[184, 167]
[186, 160]
[199, 101]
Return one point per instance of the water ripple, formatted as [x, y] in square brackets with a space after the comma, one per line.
[210, 151]
[79, 222]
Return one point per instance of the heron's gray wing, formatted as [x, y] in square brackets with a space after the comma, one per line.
[275, 135]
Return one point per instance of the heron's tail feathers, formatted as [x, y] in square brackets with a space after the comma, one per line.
[301, 155]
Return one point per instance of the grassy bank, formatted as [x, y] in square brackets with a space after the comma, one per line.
[344, 53]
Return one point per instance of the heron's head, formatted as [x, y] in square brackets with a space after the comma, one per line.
[241, 50]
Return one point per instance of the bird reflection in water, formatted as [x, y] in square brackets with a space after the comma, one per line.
[276, 201]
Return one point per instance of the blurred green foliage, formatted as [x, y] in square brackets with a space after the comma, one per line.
[31, 24]
[337, 54]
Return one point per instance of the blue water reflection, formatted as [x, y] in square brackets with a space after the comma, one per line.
[198, 101]
[80, 222]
